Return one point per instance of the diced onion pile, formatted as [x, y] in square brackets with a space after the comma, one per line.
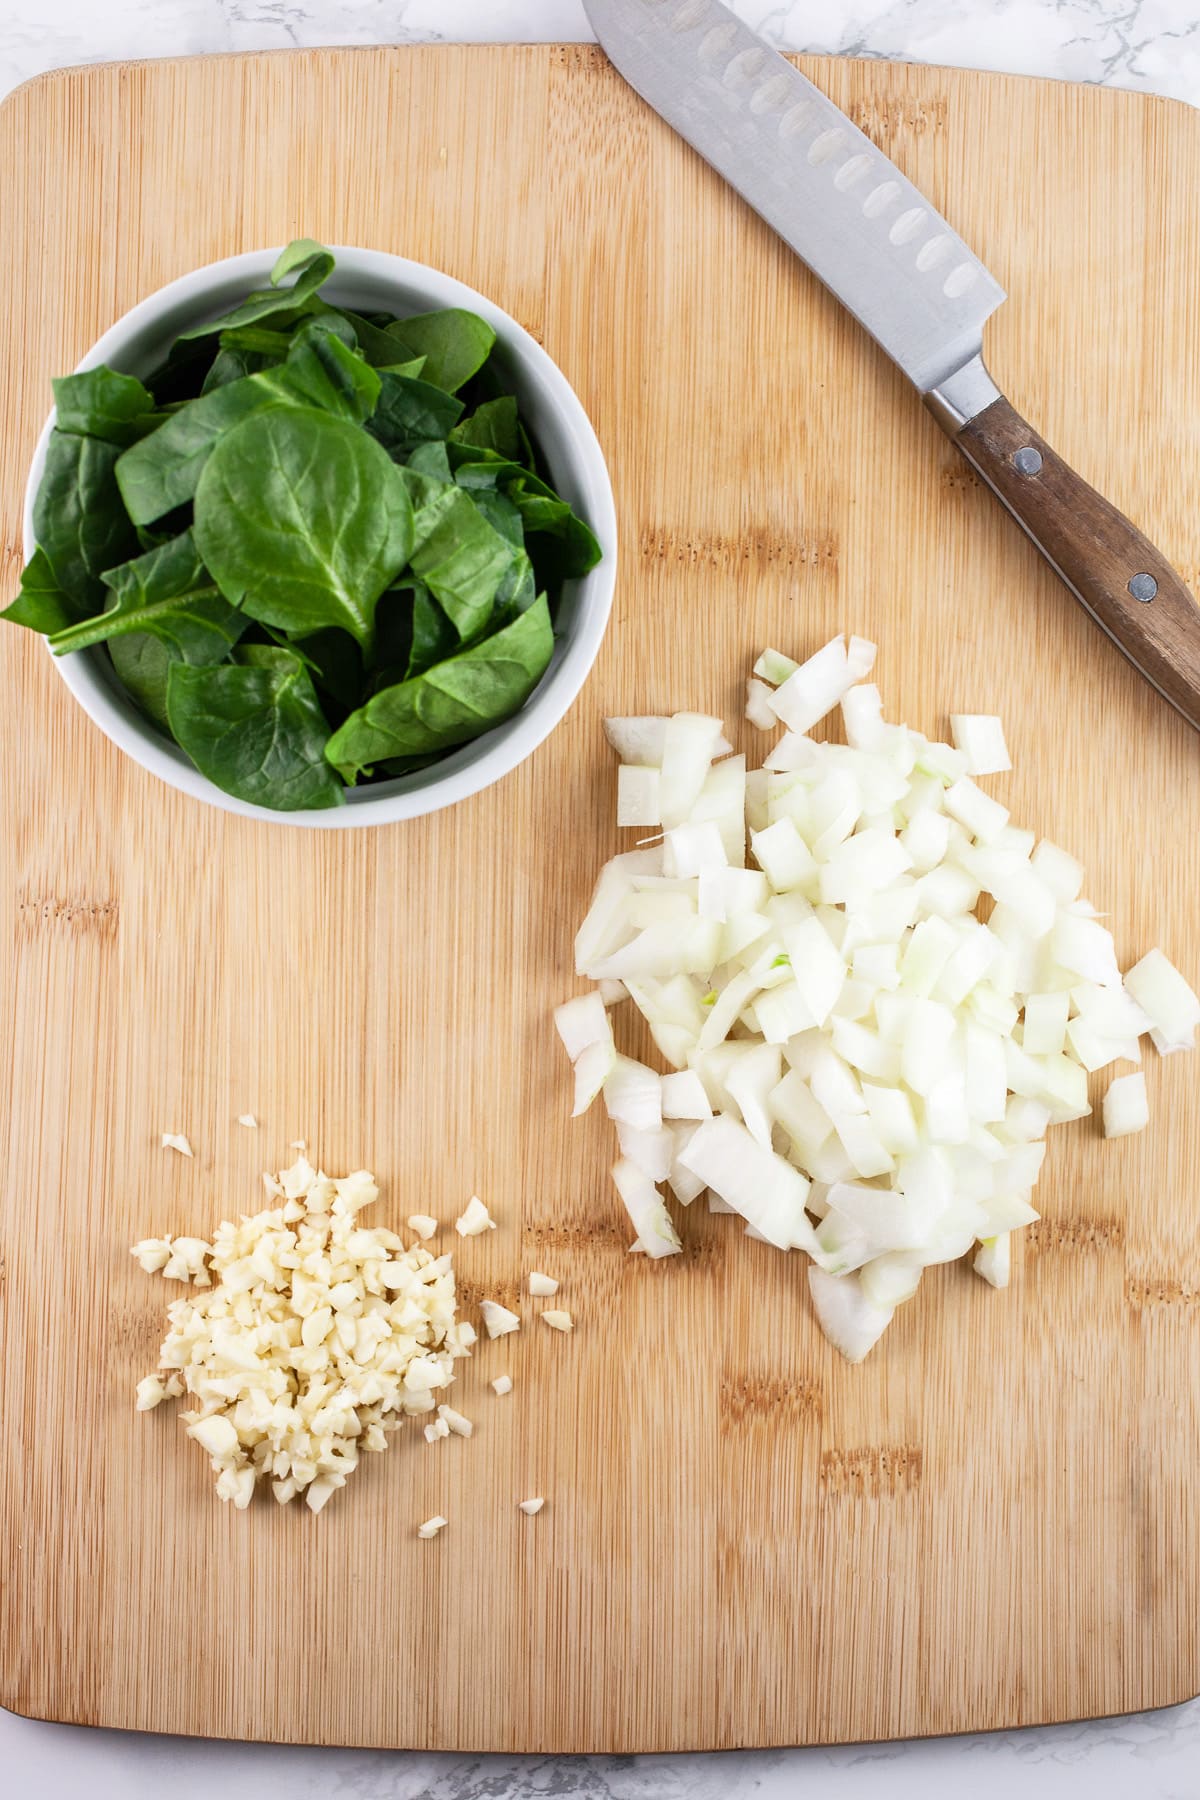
[862, 1067]
[317, 1338]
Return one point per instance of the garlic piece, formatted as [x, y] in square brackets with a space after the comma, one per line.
[542, 1285]
[474, 1219]
[175, 1140]
[558, 1321]
[498, 1320]
[503, 1384]
[529, 1507]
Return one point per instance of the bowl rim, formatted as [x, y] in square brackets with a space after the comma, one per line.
[445, 783]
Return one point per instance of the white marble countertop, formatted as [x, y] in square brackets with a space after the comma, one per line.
[1152, 44]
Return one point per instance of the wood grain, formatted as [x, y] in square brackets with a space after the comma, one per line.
[1127, 586]
[994, 1521]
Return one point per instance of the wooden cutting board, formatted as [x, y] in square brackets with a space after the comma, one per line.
[994, 1522]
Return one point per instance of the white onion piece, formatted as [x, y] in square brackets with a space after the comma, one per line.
[1126, 1108]
[593, 1067]
[581, 1022]
[656, 1235]
[638, 801]
[767, 1192]
[759, 710]
[852, 1323]
[652, 1152]
[994, 1260]
[814, 689]
[1060, 872]
[683, 1096]
[980, 737]
[633, 1095]
[1168, 1002]
[689, 745]
[775, 667]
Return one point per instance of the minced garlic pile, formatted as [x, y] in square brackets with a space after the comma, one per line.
[314, 1337]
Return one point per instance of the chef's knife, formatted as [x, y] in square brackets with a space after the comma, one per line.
[894, 262]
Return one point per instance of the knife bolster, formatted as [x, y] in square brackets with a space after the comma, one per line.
[963, 395]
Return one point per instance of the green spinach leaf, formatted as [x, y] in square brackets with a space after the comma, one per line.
[309, 262]
[255, 729]
[460, 557]
[169, 593]
[163, 471]
[410, 413]
[78, 517]
[434, 638]
[492, 426]
[40, 604]
[430, 460]
[327, 373]
[454, 344]
[101, 403]
[303, 520]
[378, 346]
[451, 703]
[234, 365]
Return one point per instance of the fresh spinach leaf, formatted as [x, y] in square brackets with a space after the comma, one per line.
[501, 514]
[234, 365]
[163, 608]
[430, 459]
[309, 262]
[459, 557]
[78, 517]
[451, 703]
[410, 413]
[40, 604]
[257, 340]
[434, 638]
[200, 633]
[255, 729]
[100, 403]
[561, 545]
[492, 426]
[329, 374]
[454, 344]
[378, 346]
[303, 520]
[169, 593]
[162, 472]
[516, 593]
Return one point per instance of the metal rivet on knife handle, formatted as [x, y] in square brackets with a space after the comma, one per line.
[1027, 460]
[1143, 586]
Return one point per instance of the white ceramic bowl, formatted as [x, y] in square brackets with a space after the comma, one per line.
[372, 281]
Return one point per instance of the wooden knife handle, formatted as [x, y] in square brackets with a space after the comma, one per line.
[1127, 585]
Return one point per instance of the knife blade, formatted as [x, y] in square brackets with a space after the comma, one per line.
[894, 262]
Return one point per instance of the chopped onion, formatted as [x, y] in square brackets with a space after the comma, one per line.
[759, 710]
[1168, 1002]
[1125, 1106]
[980, 737]
[853, 1323]
[849, 1042]
[656, 1235]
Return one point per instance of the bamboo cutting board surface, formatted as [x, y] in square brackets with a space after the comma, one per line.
[992, 1522]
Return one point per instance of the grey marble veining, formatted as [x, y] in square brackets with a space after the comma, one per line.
[1151, 44]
